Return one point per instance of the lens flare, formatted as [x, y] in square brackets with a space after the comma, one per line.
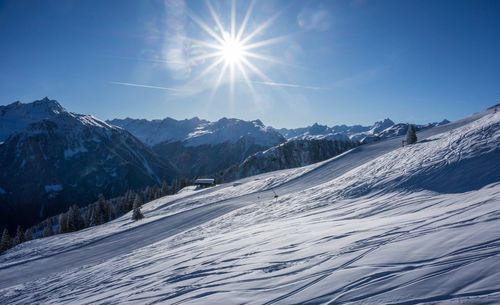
[233, 51]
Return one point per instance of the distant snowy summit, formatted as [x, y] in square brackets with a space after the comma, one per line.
[195, 131]
[358, 133]
[200, 147]
[233, 148]
[22, 117]
[51, 158]
[18, 116]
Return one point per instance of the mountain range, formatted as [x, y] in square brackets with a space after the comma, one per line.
[199, 147]
[51, 158]
[377, 224]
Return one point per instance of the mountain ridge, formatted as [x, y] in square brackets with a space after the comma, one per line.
[355, 228]
[55, 158]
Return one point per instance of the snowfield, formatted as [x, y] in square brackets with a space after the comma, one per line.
[380, 224]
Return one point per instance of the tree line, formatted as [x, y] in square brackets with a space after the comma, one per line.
[97, 213]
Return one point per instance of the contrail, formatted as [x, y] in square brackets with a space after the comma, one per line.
[145, 59]
[289, 85]
[147, 86]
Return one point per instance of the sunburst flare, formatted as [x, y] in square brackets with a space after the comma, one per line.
[232, 50]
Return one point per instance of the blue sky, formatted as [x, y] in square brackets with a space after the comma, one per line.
[330, 62]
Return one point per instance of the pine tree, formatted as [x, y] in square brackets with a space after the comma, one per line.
[63, 223]
[175, 186]
[28, 235]
[136, 212]
[120, 206]
[164, 188]
[129, 201]
[6, 241]
[137, 201]
[94, 216]
[48, 231]
[184, 182]
[156, 192]
[19, 236]
[147, 194]
[74, 219]
[103, 207]
[411, 134]
[114, 210]
[100, 212]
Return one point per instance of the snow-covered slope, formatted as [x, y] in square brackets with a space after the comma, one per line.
[379, 224]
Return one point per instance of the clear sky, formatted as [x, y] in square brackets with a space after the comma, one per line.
[295, 62]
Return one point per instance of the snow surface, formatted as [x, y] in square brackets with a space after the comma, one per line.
[379, 224]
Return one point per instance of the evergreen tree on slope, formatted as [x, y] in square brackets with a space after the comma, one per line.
[136, 211]
[48, 231]
[19, 236]
[411, 134]
[6, 241]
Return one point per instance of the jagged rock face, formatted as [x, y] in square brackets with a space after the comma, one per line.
[381, 125]
[199, 147]
[208, 159]
[317, 129]
[18, 116]
[63, 158]
[152, 132]
[293, 153]
[393, 131]
[196, 132]
[363, 134]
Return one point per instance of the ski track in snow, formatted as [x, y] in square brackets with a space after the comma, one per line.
[377, 225]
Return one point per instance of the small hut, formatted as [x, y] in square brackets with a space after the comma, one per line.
[204, 182]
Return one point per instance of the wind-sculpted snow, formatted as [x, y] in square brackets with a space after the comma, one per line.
[459, 160]
[154, 211]
[397, 248]
[412, 225]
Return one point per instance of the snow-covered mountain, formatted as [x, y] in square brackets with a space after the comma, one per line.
[199, 147]
[196, 132]
[318, 129]
[380, 224]
[295, 152]
[18, 116]
[152, 132]
[363, 134]
[380, 126]
[51, 158]
[230, 148]
[316, 143]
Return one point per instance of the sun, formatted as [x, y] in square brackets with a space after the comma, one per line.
[232, 49]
